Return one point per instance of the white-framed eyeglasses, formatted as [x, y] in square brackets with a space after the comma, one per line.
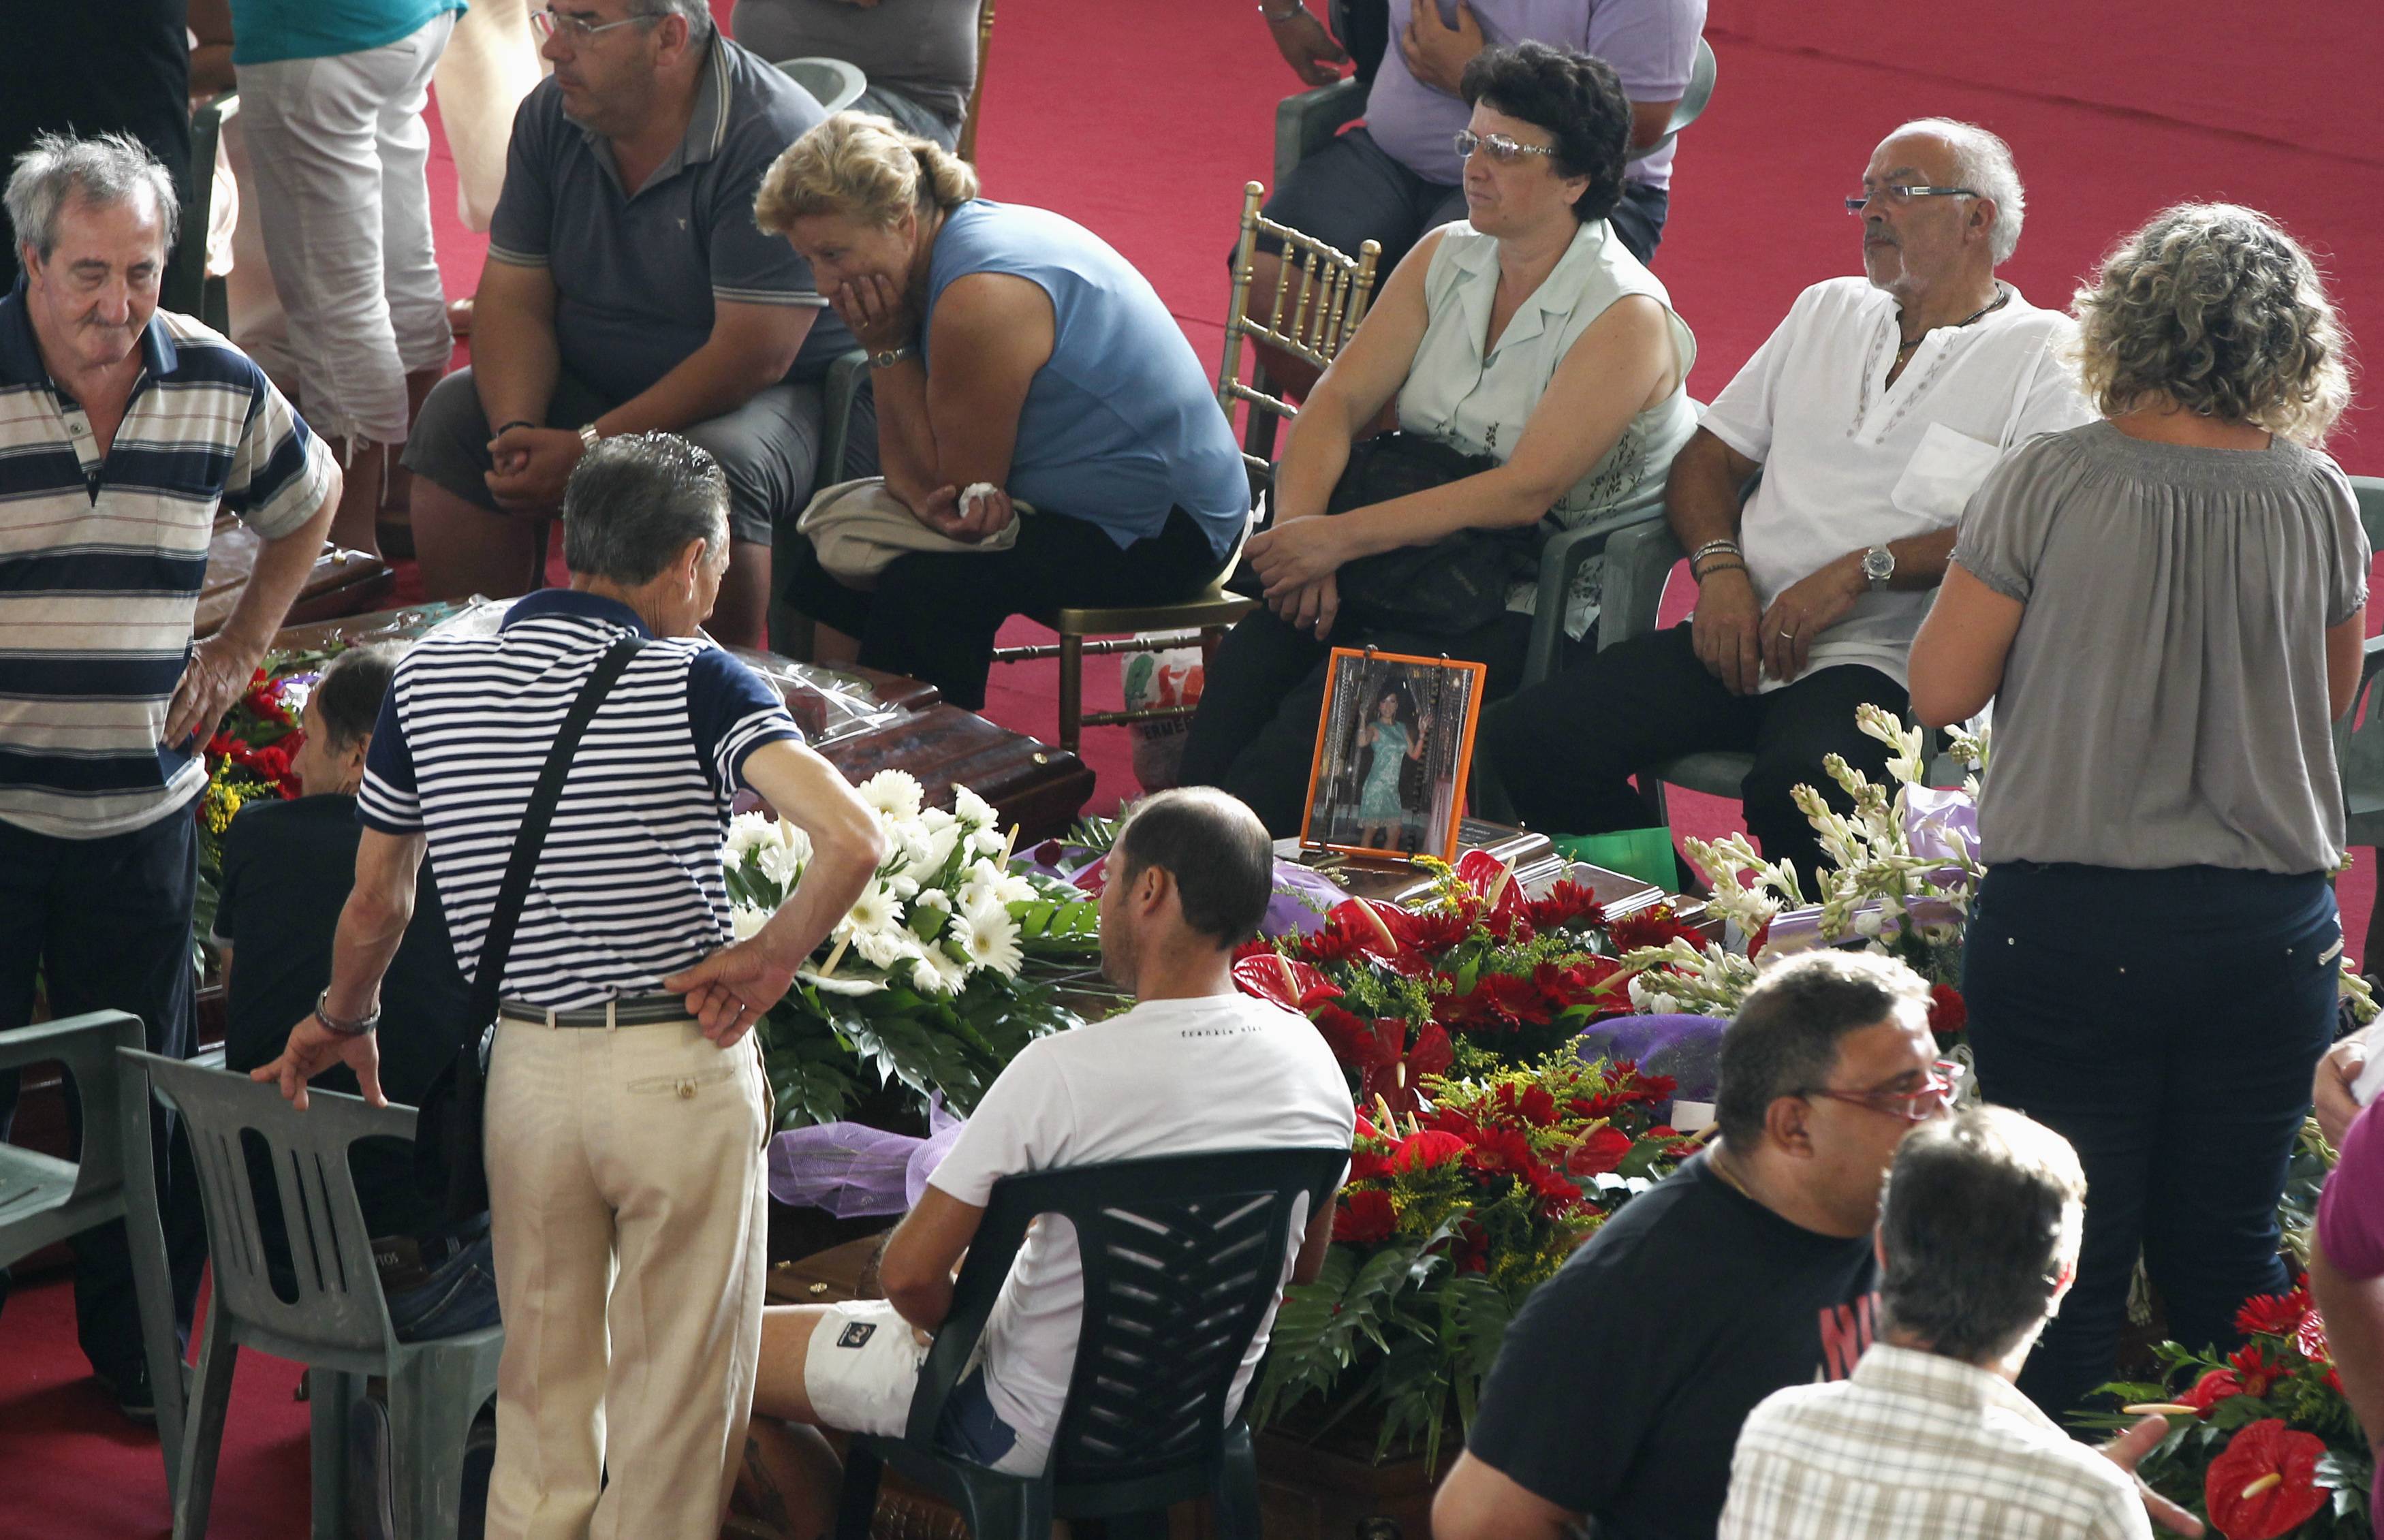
[1502, 149]
[1900, 197]
[574, 28]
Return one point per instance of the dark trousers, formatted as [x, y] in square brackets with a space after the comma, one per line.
[1255, 733]
[934, 616]
[107, 925]
[2167, 1023]
[1566, 749]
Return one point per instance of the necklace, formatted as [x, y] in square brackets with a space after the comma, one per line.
[1936, 366]
[1713, 1163]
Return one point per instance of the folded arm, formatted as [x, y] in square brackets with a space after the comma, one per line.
[959, 425]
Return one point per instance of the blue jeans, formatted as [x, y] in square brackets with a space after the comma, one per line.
[461, 1296]
[2167, 1023]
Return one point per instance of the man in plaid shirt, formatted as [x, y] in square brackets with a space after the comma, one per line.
[1977, 1242]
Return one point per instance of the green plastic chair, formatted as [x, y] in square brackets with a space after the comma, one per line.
[186, 287]
[44, 1201]
[1183, 1255]
[338, 1325]
[1305, 123]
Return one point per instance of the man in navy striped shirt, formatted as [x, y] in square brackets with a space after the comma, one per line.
[124, 429]
[625, 1107]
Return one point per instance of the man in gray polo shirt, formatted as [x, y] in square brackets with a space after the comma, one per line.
[627, 289]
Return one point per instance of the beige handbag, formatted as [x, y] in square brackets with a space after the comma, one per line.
[857, 527]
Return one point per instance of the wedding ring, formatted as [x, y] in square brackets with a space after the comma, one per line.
[1787, 636]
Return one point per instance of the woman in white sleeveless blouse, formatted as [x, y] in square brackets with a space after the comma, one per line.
[1527, 334]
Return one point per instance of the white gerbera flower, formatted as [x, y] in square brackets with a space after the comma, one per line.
[746, 831]
[1011, 887]
[895, 793]
[885, 948]
[744, 919]
[876, 910]
[933, 973]
[781, 864]
[990, 938]
[985, 842]
[978, 881]
[972, 809]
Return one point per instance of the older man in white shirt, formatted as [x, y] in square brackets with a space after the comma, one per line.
[1928, 1439]
[1873, 413]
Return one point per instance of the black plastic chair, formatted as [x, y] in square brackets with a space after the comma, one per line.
[1183, 1255]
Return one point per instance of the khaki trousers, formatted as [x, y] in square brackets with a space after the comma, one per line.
[628, 1211]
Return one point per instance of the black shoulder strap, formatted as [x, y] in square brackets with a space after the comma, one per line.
[497, 946]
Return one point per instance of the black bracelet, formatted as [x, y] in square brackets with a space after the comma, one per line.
[507, 427]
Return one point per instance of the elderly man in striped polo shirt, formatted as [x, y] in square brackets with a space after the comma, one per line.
[123, 429]
[626, 1106]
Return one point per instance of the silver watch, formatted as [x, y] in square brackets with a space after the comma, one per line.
[887, 358]
[1879, 566]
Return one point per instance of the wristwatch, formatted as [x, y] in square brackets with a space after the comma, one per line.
[889, 357]
[588, 435]
[345, 1028]
[1879, 566]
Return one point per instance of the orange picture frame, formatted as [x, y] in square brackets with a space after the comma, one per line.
[1425, 712]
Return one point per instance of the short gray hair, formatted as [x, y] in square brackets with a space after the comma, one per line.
[1784, 1040]
[1979, 1220]
[697, 14]
[1983, 163]
[634, 502]
[103, 170]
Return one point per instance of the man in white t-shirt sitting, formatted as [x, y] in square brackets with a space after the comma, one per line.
[1873, 413]
[1195, 1066]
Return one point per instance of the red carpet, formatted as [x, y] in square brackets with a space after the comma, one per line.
[1143, 119]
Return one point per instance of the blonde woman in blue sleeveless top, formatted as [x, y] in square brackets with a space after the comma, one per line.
[1528, 334]
[1014, 349]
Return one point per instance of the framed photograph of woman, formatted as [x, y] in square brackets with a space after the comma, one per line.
[1393, 745]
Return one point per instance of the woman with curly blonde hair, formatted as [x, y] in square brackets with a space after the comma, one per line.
[2167, 608]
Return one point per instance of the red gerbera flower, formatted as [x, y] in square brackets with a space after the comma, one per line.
[1496, 1002]
[2273, 1314]
[1429, 934]
[1568, 905]
[1947, 1014]
[1365, 1216]
[1431, 1147]
[2255, 1369]
[1654, 927]
[2265, 1483]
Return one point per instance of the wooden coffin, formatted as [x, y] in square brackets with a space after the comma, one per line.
[906, 726]
[343, 583]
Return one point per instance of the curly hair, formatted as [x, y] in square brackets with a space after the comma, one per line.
[1575, 98]
[2214, 307]
[863, 167]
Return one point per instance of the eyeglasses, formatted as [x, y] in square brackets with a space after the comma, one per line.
[1898, 197]
[1936, 1093]
[576, 30]
[1503, 150]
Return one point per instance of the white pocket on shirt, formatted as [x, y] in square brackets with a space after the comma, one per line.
[1942, 472]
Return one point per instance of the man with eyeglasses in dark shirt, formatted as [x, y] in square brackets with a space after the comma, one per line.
[1618, 1393]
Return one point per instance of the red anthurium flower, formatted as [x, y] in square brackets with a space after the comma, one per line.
[2310, 1338]
[2273, 1314]
[2265, 1483]
[1392, 1075]
[1947, 1014]
[1349, 1037]
[1600, 1152]
[2211, 1389]
[1280, 981]
[1365, 1216]
[1492, 881]
[1432, 1146]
